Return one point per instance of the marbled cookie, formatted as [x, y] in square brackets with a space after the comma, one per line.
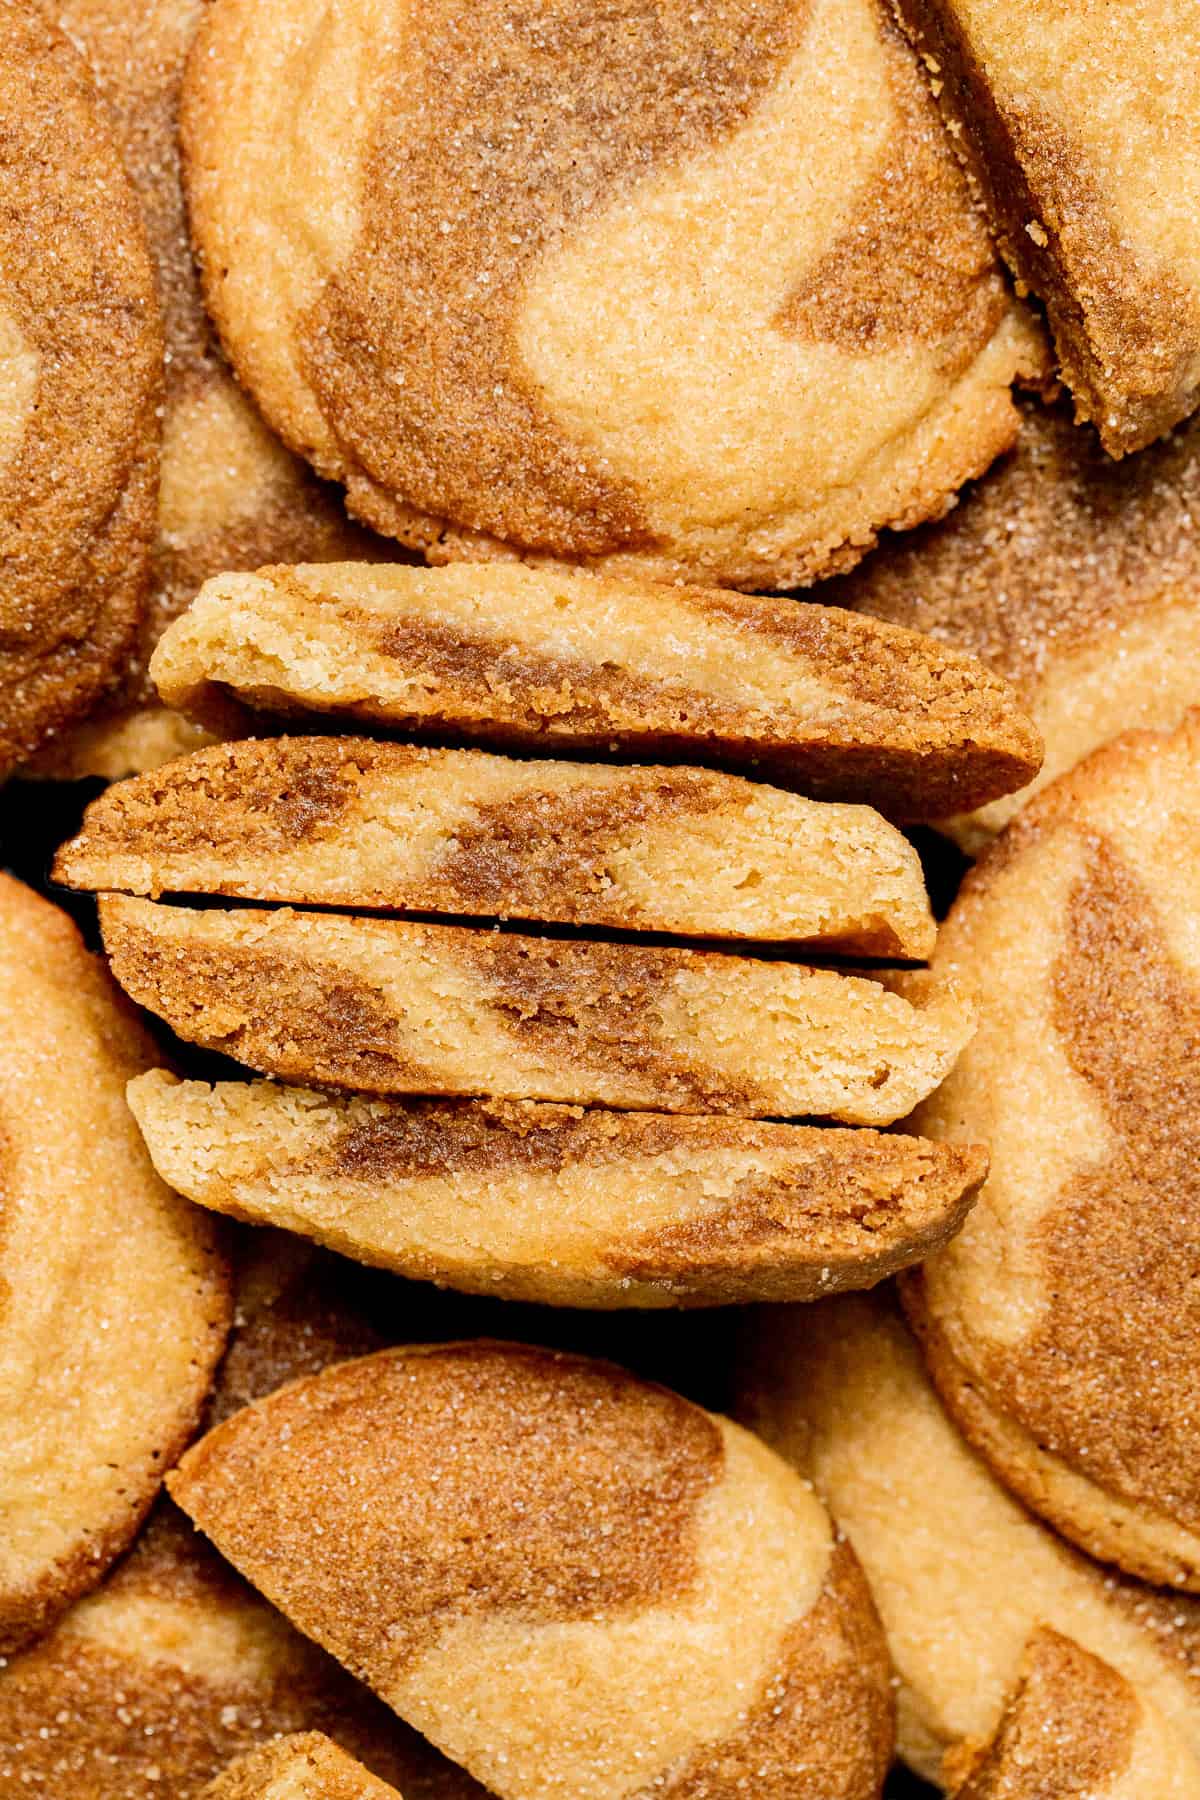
[554, 1204]
[811, 697]
[1074, 1729]
[1078, 121]
[116, 1298]
[305, 1766]
[391, 1007]
[80, 387]
[695, 293]
[349, 822]
[671, 1608]
[231, 496]
[1061, 1327]
[1074, 577]
[961, 1573]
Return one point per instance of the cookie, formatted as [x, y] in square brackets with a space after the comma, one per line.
[551, 1204]
[719, 307]
[961, 1573]
[116, 1299]
[306, 1766]
[810, 697]
[81, 355]
[399, 1008]
[149, 1686]
[347, 822]
[231, 496]
[1074, 577]
[650, 1642]
[1074, 1727]
[1078, 124]
[1061, 1326]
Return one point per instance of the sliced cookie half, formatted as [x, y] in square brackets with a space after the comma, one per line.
[305, 1766]
[815, 698]
[388, 1007]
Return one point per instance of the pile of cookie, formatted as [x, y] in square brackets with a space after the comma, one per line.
[530, 1264]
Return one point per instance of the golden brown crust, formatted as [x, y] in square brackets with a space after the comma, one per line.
[305, 1766]
[78, 431]
[558, 1205]
[390, 1007]
[815, 698]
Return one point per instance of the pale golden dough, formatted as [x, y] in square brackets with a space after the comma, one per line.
[811, 697]
[306, 1766]
[348, 822]
[668, 1603]
[409, 1008]
[560, 1205]
[725, 329]
[1078, 122]
[1061, 1325]
[960, 1571]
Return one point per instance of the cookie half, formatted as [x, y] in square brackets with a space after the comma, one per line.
[961, 1573]
[231, 496]
[1061, 1327]
[1074, 1726]
[1081, 132]
[349, 822]
[814, 698]
[116, 1295]
[650, 1643]
[559, 1205]
[404, 1008]
[81, 356]
[1074, 577]
[306, 1766]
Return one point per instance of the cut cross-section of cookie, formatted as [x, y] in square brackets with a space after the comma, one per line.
[1076, 1729]
[961, 1573]
[116, 1300]
[80, 387]
[412, 1008]
[1074, 577]
[816, 698]
[1061, 1327]
[432, 1516]
[306, 1766]
[558, 1205]
[1079, 124]
[349, 822]
[231, 496]
[700, 293]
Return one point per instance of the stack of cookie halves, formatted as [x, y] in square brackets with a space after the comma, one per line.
[558, 1074]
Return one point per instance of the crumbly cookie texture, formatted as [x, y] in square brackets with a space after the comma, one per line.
[669, 1603]
[723, 330]
[1070, 1298]
[80, 387]
[816, 698]
[305, 1766]
[99, 1259]
[1075, 1727]
[1081, 132]
[961, 1572]
[1074, 577]
[231, 496]
[560, 1205]
[396, 1008]
[349, 822]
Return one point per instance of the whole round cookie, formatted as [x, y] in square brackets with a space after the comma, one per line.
[1074, 577]
[961, 1573]
[231, 496]
[80, 388]
[701, 293]
[1061, 1325]
[116, 1299]
[670, 1606]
